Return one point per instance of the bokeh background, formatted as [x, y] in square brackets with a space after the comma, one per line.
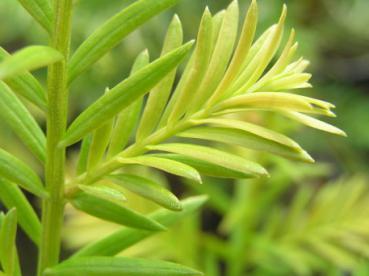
[332, 34]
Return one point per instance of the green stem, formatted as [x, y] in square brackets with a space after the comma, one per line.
[135, 149]
[53, 207]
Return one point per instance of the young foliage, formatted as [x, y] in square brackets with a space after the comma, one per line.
[147, 189]
[205, 167]
[215, 83]
[127, 119]
[124, 94]
[159, 95]
[104, 191]
[169, 166]
[224, 76]
[214, 156]
[249, 136]
[99, 142]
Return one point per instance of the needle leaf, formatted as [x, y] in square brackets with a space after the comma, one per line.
[113, 212]
[224, 159]
[127, 119]
[147, 189]
[18, 172]
[119, 266]
[124, 238]
[8, 250]
[113, 31]
[15, 114]
[159, 95]
[12, 197]
[26, 85]
[166, 165]
[41, 11]
[124, 94]
[27, 59]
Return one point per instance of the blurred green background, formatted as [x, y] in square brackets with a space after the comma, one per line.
[332, 34]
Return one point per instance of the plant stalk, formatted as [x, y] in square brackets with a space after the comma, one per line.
[53, 207]
[135, 149]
